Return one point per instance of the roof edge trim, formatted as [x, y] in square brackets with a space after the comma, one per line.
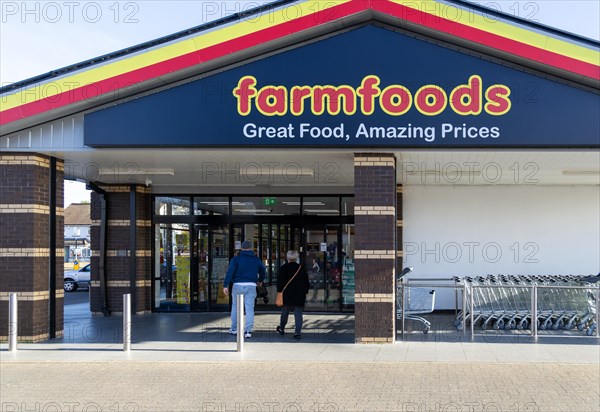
[258, 10]
[146, 45]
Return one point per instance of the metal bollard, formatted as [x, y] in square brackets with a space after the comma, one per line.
[240, 323]
[598, 312]
[471, 304]
[534, 312]
[464, 309]
[127, 322]
[403, 307]
[12, 322]
[532, 297]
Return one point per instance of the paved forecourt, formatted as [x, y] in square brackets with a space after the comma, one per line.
[272, 385]
[189, 362]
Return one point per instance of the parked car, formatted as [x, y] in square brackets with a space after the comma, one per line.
[77, 278]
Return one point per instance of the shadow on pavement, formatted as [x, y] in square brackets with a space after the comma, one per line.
[80, 326]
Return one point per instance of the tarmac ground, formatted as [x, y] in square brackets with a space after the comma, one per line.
[188, 362]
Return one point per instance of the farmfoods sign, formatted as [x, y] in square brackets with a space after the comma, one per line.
[365, 88]
[468, 99]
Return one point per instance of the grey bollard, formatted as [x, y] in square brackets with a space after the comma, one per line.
[598, 312]
[464, 309]
[127, 322]
[534, 312]
[12, 322]
[403, 307]
[240, 323]
[471, 305]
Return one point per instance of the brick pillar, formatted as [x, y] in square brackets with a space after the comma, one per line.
[25, 244]
[118, 249]
[375, 247]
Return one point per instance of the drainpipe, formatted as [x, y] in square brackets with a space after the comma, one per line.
[102, 266]
[132, 247]
[52, 256]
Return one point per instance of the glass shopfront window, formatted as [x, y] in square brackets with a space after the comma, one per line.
[249, 206]
[211, 206]
[321, 206]
[347, 206]
[172, 206]
[266, 206]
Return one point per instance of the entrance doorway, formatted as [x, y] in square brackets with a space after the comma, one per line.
[193, 248]
[271, 243]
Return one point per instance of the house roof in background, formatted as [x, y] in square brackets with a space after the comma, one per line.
[78, 214]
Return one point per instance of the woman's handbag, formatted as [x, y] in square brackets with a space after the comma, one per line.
[261, 291]
[279, 299]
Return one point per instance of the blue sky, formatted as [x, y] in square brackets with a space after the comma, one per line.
[36, 36]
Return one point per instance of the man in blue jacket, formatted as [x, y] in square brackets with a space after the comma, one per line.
[244, 271]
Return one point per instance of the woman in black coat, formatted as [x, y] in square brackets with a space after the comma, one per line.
[294, 295]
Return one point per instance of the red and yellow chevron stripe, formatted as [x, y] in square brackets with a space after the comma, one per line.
[206, 46]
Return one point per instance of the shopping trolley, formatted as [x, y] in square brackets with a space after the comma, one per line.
[504, 302]
[417, 301]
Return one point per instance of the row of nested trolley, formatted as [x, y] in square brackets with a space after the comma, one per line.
[519, 302]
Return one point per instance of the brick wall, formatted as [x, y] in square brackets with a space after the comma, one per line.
[25, 244]
[118, 256]
[375, 246]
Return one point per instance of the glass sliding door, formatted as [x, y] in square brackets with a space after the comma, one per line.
[285, 238]
[271, 244]
[218, 262]
[190, 267]
[173, 277]
[315, 261]
[324, 261]
[348, 285]
[333, 268]
[201, 292]
[263, 237]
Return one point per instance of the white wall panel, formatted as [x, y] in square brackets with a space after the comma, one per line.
[480, 230]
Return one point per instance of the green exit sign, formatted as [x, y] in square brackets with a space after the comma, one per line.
[269, 201]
